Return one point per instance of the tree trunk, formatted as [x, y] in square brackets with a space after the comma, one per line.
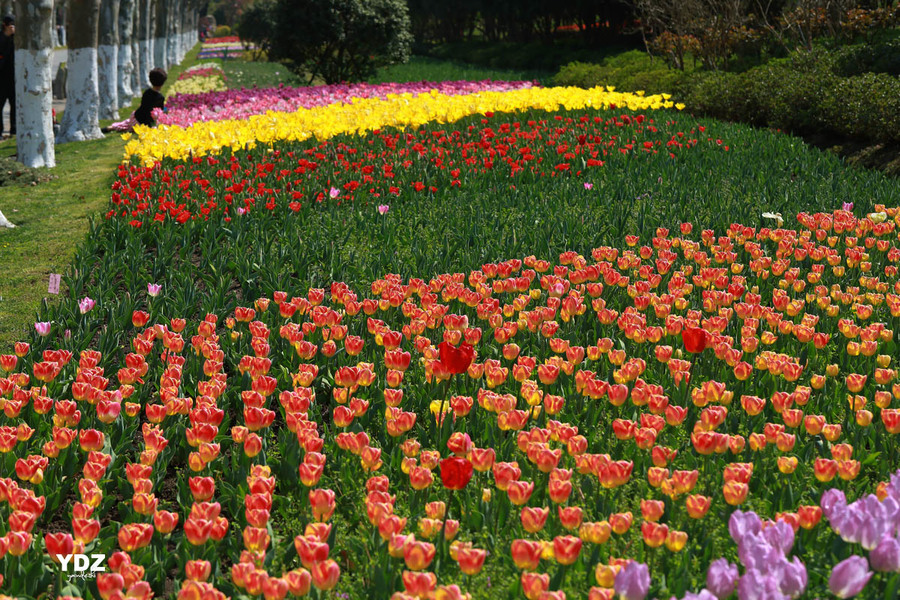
[184, 28]
[80, 119]
[7, 8]
[62, 10]
[34, 97]
[108, 60]
[172, 32]
[145, 44]
[159, 34]
[126, 54]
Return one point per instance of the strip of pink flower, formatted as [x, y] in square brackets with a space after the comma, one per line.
[186, 109]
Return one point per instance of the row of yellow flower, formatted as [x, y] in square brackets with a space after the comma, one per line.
[365, 115]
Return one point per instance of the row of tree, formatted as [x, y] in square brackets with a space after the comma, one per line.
[436, 21]
[112, 46]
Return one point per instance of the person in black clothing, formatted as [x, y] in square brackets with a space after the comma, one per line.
[7, 72]
[151, 99]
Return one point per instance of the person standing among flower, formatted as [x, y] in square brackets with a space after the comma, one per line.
[7, 72]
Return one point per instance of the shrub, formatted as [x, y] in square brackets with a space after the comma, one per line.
[222, 31]
[340, 40]
[805, 95]
[629, 71]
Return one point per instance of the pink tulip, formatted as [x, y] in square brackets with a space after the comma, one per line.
[849, 577]
[42, 328]
[86, 304]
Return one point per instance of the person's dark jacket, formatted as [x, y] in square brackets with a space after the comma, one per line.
[7, 61]
[150, 100]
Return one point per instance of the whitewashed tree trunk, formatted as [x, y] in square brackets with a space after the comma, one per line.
[126, 55]
[80, 119]
[172, 32]
[160, 48]
[34, 95]
[4, 222]
[108, 59]
[144, 33]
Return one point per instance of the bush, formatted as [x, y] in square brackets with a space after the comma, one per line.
[222, 31]
[804, 94]
[869, 58]
[340, 40]
[850, 92]
[629, 71]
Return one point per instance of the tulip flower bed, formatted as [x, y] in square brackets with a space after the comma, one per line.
[200, 79]
[569, 427]
[368, 114]
[540, 348]
[184, 110]
[385, 163]
[222, 48]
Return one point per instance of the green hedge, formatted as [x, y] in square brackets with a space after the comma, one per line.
[851, 92]
[631, 71]
[804, 94]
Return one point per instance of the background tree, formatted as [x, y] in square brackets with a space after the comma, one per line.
[80, 119]
[126, 53]
[34, 97]
[160, 30]
[108, 59]
[145, 23]
[340, 40]
[258, 26]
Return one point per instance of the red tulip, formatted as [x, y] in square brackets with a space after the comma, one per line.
[455, 472]
[694, 339]
[59, 544]
[456, 360]
[325, 574]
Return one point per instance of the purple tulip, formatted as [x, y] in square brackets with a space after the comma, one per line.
[847, 206]
[849, 577]
[754, 585]
[701, 595]
[756, 553]
[793, 578]
[780, 535]
[886, 555]
[849, 522]
[633, 582]
[743, 523]
[721, 578]
[833, 501]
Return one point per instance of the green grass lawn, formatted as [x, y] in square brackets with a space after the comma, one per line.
[423, 68]
[242, 73]
[52, 216]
